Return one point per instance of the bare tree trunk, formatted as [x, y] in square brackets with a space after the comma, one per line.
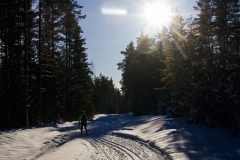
[26, 65]
[67, 68]
[7, 70]
[40, 65]
[53, 67]
[19, 69]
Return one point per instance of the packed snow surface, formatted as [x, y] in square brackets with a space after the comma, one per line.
[120, 137]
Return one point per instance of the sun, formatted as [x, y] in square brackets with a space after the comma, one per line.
[157, 13]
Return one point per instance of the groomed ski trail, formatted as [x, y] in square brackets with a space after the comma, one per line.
[104, 148]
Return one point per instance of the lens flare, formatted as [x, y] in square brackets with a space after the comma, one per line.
[114, 11]
[114, 8]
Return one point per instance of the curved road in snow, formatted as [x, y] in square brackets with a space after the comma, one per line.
[101, 144]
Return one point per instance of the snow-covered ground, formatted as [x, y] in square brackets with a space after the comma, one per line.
[120, 137]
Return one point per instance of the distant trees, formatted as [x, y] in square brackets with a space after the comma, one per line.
[106, 97]
[192, 67]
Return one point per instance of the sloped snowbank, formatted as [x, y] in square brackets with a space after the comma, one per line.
[182, 140]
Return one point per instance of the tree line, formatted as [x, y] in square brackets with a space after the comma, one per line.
[44, 73]
[190, 68]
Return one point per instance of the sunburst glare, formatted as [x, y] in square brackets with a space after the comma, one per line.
[157, 13]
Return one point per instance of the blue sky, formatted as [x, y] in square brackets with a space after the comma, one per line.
[109, 34]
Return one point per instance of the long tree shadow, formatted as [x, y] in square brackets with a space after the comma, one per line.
[99, 127]
[199, 141]
[106, 124]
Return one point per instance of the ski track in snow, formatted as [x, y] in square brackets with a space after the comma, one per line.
[107, 147]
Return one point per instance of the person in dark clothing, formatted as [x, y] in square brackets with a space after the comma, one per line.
[83, 120]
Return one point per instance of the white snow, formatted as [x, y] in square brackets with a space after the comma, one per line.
[120, 137]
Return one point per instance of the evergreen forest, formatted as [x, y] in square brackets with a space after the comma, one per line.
[190, 69]
[44, 73]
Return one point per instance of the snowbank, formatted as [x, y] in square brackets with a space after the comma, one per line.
[182, 140]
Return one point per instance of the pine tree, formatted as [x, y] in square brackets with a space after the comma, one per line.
[141, 75]
[127, 66]
[177, 65]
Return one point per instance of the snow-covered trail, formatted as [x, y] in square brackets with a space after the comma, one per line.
[63, 141]
[104, 148]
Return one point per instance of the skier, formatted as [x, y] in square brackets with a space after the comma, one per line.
[83, 119]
